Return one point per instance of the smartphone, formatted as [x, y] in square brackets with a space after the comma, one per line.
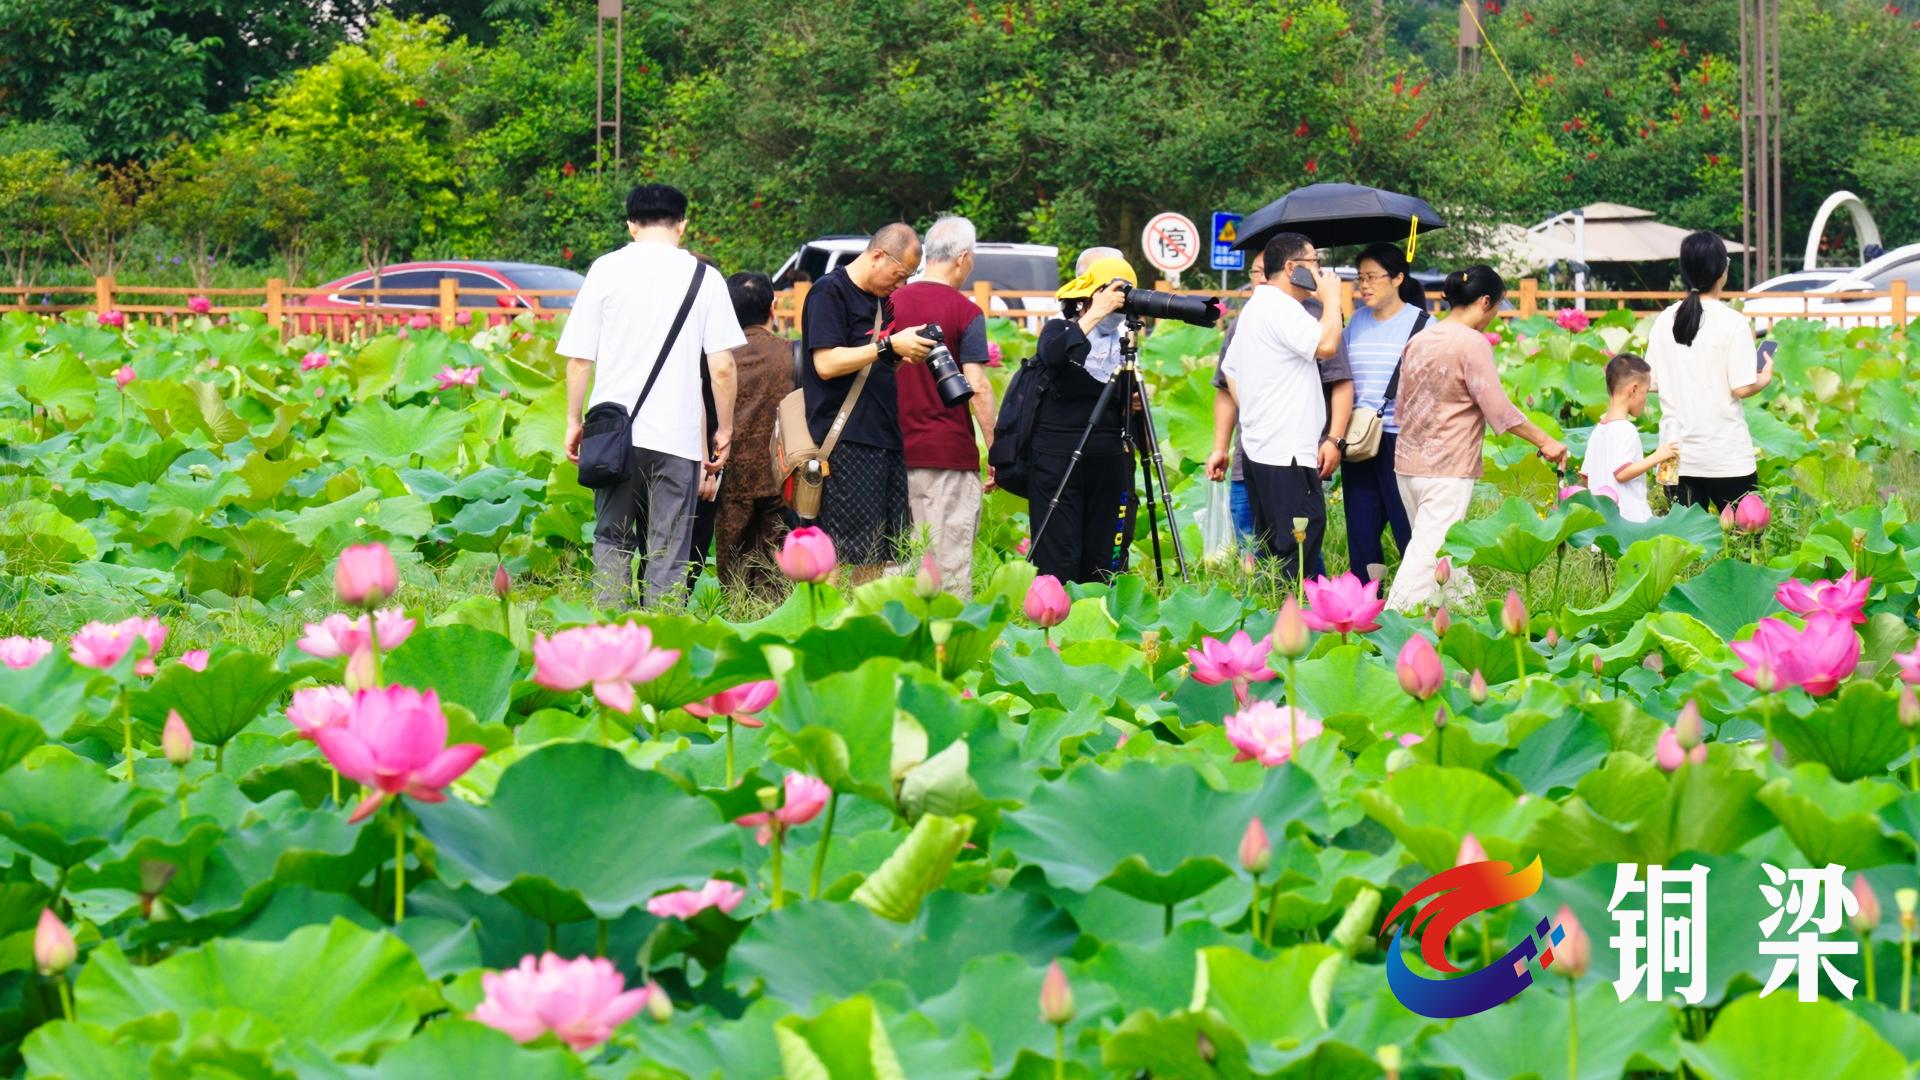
[1302, 278]
[1764, 353]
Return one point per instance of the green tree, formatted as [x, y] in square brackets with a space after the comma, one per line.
[37, 189]
[101, 215]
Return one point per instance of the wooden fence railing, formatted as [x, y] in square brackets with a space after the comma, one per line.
[313, 311]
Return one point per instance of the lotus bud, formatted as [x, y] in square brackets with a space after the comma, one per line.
[1470, 851]
[1905, 899]
[1441, 621]
[1477, 688]
[1687, 728]
[1655, 662]
[359, 674]
[54, 950]
[1553, 638]
[1056, 997]
[926, 581]
[1256, 853]
[1419, 669]
[1859, 538]
[1290, 636]
[659, 1005]
[1868, 917]
[1726, 516]
[502, 582]
[176, 742]
[1575, 950]
[1599, 665]
[1443, 570]
[1751, 515]
[1440, 718]
[1513, 614]
[1398, 758]
[1909, 708]
[941, 631]
[366, 575]
[154, 876]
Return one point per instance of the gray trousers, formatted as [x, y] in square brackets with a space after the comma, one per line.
[657, 500]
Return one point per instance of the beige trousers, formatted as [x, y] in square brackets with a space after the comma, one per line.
[946, 503]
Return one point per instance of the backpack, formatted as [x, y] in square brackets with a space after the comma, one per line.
[1012, 453]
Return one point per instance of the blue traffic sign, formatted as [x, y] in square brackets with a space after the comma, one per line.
[1226, 230]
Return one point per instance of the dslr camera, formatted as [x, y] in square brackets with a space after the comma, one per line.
[947, 377]
[1147, 304]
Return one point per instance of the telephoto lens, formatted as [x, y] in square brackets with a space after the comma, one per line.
[947, 377]
[1147, 304]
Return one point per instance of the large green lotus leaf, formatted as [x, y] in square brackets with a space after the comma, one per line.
[1472, 650]
[69, 1050]
[453, 1047]
[541, 427]
[1687, 641]
[1828, 549]
[1616, 535]
[55, 380]
[1529, 1036]
[996, 994]
[1647, 571]
[1279, 1000]
[378, 432]
[468, 666]
[350, 517]
[51, 694]
[257, 559]
[1350, 681]
[1044, 677]
[916, 868]
[130, 464]
[1314, 883]
[1430, 808]
[64, 808]
[709, 661]
[280, 844]
[1629, 811]
[479, 525]
[1728, 596]
[1885, 634]
[821, 947]
[1157, 972]
[1515, 537]
[36, 537]
[490, 483]
[846, 1042]
[338, 986]
[1831, 821]
[267, 478]
[530, 846]
[1855, 733]
[217, 703]
[1757, 1038]
[1557, 754]
[1099, 826]
[843, 725]
[712, 1048]
[1179, 1044]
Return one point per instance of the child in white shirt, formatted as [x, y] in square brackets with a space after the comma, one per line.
[1614, 466]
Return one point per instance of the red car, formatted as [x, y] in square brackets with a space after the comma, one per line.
[352, 296]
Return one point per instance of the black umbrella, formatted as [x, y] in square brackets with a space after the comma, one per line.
[1331, 215]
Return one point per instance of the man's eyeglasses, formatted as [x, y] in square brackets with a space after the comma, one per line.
[895, 258]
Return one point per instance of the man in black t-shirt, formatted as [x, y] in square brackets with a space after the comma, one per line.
[864, 504]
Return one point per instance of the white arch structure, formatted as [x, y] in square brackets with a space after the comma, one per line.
[1864, 227]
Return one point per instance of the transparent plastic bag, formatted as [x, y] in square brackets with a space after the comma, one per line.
[1216, 521]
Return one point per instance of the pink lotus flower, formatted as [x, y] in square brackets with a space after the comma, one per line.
[1047, 604]
[54, 950]
[344, 635]
[1845, 599]
[394, 742]
[1265, 732]
[805, 797]
[366, 575]
[1024, 545]
[1572, 320]
[1669, 755]
[808, 555]
[195, 659]
[1816, 658]
[124, 377]
[1477, 688]
[610, 658]
[926, 580]
[580, 1000]
[1056, 997]
[1571, 490]
[101, 645]
[199, 305]
[1239, 660]
[420, 322]
[1493, 339]
[686, 903]
[112, 320]
[314, 361]
[450, 377]
[176, 740]
[1419, 668]
[1442, 620]
[1909, 663]
[740, 702]
[463, 317]
[1575, 951]
[1750, 514]
[1343, 605]
[20, 653]
[1443, 570]
[1256, 851]
[994, 355]
[318, 707]
[1470, 851]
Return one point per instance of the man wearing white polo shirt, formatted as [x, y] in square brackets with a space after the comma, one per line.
[1273, 391]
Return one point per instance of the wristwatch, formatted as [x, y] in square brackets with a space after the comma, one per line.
[884, 349]
[1338, 444]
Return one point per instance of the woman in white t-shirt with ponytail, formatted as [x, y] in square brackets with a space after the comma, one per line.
[1704, 366]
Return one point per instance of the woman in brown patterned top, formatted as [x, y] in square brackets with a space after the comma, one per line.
[1449, 395]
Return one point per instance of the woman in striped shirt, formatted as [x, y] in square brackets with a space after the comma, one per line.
[1395, 310]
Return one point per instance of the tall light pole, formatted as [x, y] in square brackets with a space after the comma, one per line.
[616, 11]
[1762, 216]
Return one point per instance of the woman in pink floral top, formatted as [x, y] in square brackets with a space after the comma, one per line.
[1449, 395]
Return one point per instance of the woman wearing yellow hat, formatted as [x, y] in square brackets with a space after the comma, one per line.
[1091, 529]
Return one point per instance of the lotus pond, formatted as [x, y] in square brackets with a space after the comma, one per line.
[878, 832]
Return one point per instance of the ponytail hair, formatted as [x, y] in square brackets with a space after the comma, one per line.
[1394, 264]
[1703, 259]
[1469, 286]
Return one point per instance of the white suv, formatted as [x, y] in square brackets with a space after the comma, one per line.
[1830, 302]
[1013, 267]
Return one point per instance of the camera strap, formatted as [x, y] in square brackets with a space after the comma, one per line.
[1393, 384]
[853, 395]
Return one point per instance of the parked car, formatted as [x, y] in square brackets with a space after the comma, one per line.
[355, 291]
[1835, 302]
[1800, 281]
[1012, 267]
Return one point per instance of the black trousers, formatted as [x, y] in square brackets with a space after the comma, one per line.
[1091, 531]
[1373, 504]
[1714, 492]
[1279, 494]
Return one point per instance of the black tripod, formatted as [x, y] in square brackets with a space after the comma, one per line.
[1127, 379]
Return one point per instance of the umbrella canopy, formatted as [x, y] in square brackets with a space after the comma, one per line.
[1612, 233]
[1331, 215]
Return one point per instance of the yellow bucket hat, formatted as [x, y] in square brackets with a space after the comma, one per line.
[1100, 273]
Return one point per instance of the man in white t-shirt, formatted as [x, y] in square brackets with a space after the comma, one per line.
[613, 339]
[1273, 391]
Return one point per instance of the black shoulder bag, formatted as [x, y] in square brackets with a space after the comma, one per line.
[607, 432]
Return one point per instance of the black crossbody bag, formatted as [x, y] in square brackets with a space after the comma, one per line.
[607, 432]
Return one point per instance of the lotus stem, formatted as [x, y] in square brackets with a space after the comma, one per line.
[826, 837]
[373, 642]
[1253, 910]
[1293, 706]
[1559, 563]
[334, 775]
[126, 725]
[1573, 1031]
[1519, 657]
[1913, 765]
[729, 750]
[1866, 947]
[66, 996]
[600, 937]
[1166, 921]
[1767, 717]
[219, 757]
[399, 863]
[1273, 913]
[1906, 969]
[813, 602]
[1059, 1049]
[181, 790]
[779, 840]
[553, 936]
